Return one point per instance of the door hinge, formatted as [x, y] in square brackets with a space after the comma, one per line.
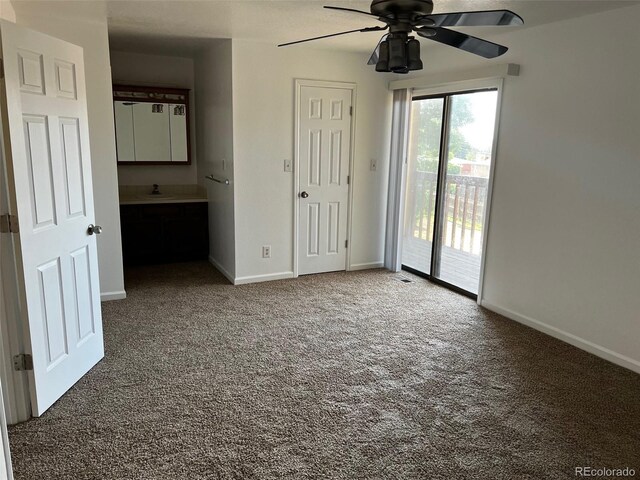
[351, 110]
[348, 179]
[9, 223]
[21, 362]
[346, 244]
[1, 68]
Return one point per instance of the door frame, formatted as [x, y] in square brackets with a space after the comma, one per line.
[4, 438]
[299, 83]
[458, 88]
[16, 396]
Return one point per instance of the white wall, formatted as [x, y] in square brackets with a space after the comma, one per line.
[85, 25]
[565, 225]
[263, 125]
[159, 71]
[214, 124]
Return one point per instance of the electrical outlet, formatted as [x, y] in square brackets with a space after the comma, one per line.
[287, 166]
[374, 165]
[266, 251]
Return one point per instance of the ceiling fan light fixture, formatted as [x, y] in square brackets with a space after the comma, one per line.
[397, 54]
[413, 54]
[383, 57]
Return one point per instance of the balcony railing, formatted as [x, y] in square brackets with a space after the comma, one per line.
[463, 212]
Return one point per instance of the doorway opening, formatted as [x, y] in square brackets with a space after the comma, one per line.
[448, 173]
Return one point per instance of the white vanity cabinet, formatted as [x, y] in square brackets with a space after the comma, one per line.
[152, 126]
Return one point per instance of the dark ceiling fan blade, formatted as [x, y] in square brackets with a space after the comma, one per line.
[465, 42]
[368, 29]
[375, 56]
[472, 19]
[353, 10]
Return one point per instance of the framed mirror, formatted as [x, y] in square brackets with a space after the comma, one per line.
[152, 125]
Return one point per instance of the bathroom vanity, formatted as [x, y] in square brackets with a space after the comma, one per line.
[160, 223]
[170, 226]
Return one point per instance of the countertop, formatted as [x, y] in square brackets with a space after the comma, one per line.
[141, 195]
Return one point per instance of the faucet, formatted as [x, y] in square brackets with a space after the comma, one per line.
[156, 190]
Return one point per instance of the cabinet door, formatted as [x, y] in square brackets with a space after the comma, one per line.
[186, 236]
[124, 131]
[151, 132]
[142, 233]
[178, 117]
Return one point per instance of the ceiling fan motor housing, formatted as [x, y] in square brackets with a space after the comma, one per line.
[408, 8]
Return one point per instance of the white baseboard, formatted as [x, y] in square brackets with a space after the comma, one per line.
[365, 266]
[221, 269]
[263, 278]
[569, 338]
[109, 296]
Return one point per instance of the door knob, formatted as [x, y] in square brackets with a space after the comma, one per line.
[97, 229]
[304, 195]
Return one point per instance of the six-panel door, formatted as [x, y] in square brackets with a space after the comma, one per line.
[50, 170]
[324, 150]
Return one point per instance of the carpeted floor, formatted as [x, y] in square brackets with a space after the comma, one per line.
[345, 376]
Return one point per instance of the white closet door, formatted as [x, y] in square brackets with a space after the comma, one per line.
[324, 150]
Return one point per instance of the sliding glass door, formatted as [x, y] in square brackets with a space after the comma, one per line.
[422, 183]
[447, 184]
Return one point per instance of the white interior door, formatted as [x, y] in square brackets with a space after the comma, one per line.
[324, 151]
[50, 185]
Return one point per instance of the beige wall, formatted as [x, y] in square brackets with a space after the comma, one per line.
[214, 124]
[263, 127]
[7, 12]
[563, 238]
[86, 26]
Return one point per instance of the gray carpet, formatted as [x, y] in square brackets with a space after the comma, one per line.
[339, 376]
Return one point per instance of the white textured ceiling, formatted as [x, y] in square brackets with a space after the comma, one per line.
[151, 26]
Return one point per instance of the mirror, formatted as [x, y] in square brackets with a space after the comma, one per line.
[152, 125]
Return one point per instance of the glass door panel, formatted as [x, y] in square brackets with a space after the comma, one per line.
[422, 185]
[448, 168]
[468, 164]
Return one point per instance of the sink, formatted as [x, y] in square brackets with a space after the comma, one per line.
[156, 196]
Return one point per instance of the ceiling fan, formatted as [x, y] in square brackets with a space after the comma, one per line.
[399, 52]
